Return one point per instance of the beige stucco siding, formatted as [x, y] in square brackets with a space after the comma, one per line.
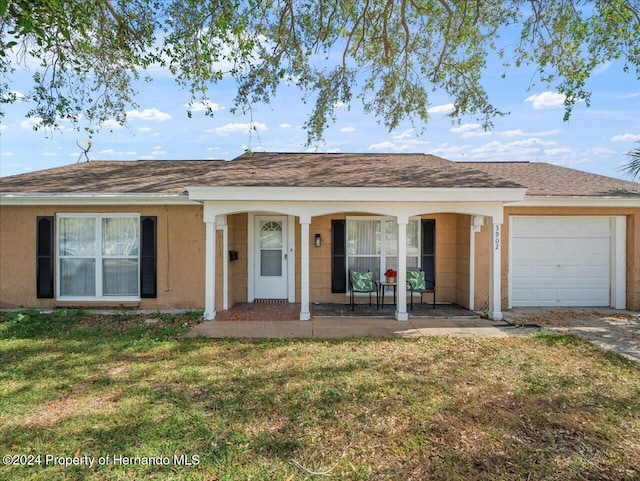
[632, 246]
[462, 259]
[180, 261]
[237, 226]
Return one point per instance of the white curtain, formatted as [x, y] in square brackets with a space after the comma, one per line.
[77, 250]
[366, 240]
[120, 245]
[364, 245]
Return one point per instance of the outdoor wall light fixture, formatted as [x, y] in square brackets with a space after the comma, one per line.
[318, 240]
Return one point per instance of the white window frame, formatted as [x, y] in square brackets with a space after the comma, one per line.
[98, 256]
[382, 255]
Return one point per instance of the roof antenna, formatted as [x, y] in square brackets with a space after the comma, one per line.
[85, 147]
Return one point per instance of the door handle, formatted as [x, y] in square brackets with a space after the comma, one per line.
[285, 256]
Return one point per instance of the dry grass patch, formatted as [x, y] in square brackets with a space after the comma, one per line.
[516, 408]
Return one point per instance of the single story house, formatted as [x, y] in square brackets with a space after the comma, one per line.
[289, 226]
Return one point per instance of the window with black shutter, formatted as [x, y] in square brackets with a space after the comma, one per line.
[44, 257]
[429, 249]
[338, 253]
[148, 254]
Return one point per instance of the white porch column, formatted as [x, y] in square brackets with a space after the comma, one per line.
[401, 298]
[210, 270]
[221, 223]
[477, 221]
[305, 313]
[495, 264]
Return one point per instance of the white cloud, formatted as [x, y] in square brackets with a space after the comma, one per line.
[347, 129]
[407, 134]
[285, 126]
[513, 133]
[107, 151]
[244, 128]
[14, 95]
[559, 151]
[441, 109]
[50, 154]
[382, 146]
[30, 123]
[470, 130]
[111, 124]
[600, 152]
[131, 152]
[204, 106]
[333, 151]
[602, 68]
[145, 129]
[148, 114]
[158, 152]
[340, 105]
[520, 133]
[3, 127]
[147, 157]
[546, 100]
[7, 154]
[625, 138]
[530, 142]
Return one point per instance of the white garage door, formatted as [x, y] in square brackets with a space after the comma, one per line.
[561, 261]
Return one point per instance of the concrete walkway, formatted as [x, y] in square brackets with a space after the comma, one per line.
[356, 327]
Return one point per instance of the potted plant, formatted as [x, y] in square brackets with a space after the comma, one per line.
[391, 275]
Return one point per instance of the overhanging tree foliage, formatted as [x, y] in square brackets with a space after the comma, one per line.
[388, 54]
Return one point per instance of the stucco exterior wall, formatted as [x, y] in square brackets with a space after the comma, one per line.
[180, 277]
[481, 268]
[237, 229]
[633, 246]
[462, 259]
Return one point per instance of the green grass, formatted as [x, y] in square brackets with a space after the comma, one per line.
[517, 408]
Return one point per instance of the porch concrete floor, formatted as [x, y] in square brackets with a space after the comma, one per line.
[266, 324]
[365, 310]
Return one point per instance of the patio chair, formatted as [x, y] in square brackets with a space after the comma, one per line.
[417, 282]
[362, 282]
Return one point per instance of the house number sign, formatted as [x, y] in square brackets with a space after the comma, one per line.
[496, 237]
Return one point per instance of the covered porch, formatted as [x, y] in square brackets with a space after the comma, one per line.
[233, 256]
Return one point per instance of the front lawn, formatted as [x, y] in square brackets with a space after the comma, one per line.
[116, 390]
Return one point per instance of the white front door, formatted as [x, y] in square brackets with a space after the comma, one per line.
[270, 272]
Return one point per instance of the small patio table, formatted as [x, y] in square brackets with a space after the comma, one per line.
[383, 286]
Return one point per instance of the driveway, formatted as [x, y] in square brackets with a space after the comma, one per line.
[612, 329]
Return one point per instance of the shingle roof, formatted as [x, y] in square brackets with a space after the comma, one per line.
[542, 179]
[348, 170]
[315, 170]
[258, 169]
[109, 176]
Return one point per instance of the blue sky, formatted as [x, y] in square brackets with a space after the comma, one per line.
[594, 139]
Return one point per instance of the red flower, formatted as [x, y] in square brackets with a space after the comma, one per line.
[391, 273]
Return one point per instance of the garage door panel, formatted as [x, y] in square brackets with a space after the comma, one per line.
[561, 261]
[563, 227]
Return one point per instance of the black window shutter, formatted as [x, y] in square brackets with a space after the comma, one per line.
[148, 254]
[429, 249]
[338, 256]
[44, 257]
